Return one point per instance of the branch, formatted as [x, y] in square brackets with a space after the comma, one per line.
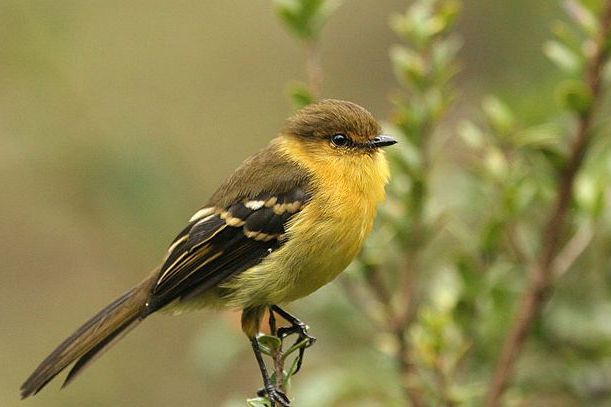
[397, 322]
[314, 70]
[541, 273]
[412, 391]
[277, 354]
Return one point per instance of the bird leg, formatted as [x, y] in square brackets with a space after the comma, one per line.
[273, 393]
[297, 327]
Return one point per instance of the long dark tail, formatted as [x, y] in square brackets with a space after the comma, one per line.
[90, 340]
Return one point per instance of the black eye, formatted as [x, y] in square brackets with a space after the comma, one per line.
[340, 140]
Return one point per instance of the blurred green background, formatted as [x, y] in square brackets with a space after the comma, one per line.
[118, 119]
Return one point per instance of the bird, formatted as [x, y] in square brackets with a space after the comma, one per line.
[287, 221]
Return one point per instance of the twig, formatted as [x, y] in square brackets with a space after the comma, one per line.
[314, 70]
[406, 292]
[396, 323]
[277, 354]
[442, 383]
[377, 286]
[541, 273]
[407, 369]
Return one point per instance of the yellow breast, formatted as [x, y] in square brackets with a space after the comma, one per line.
[326, 235]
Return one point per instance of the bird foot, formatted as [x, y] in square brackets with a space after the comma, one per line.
[301, 330]
[275, 396]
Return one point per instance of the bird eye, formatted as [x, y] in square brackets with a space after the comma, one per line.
[339, 140]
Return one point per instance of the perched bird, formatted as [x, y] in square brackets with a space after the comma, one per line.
[287, 222]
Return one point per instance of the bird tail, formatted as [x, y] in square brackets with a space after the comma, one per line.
[91, 339]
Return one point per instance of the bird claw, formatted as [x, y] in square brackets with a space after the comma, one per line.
[275, 396]
[301, 330]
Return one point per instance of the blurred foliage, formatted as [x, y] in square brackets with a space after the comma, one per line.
[117, 120]
[305, 18]
[441, 275]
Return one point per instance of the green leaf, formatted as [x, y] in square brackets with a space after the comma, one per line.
[574, 95]
[269, 344]
[448, 12]
[301, 95]
[590, 195]
[565, 34]
[443, 58]
[525, 194]
[581, 15]
[495, 163]
[305, 18]
[491, 238]
[293, 369]
[409, 66]
[258, 402]
[562, 56]
[471, 134]
[467, 270]
[498, 115]
[537, 136]
[421, 23]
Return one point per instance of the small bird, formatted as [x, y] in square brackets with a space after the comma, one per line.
[287, 222]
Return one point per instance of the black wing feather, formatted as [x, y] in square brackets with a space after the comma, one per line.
[226, 242]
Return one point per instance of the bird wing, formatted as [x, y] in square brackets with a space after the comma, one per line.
[220, 242]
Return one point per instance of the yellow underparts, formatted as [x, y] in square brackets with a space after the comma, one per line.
[324, 237]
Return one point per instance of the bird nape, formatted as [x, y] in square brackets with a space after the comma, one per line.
[285, 223]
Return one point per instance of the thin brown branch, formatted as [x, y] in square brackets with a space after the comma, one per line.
[395, 323]
[377, 285]
[406, 289]
[278, 358]
[541, 273]
[277, 355]
[314, 70]
[442, 383]
[407, 370]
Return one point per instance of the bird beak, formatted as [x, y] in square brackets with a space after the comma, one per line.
[382, 140]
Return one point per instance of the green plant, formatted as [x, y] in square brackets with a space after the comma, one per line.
[480, 230]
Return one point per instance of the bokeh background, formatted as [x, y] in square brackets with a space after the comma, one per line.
[118, 119]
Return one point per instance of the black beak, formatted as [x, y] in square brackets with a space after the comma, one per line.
[382, 140]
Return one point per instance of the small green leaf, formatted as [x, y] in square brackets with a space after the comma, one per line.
[269, 344]
[537, 136]
[471, 134]
[443, 57]
[498, 115]
[581, 15]
[566, 34]
[562, 56]
[590, 195]
[295, 347]
[409, 67]
[491, 237]
[293, 369]
[258, 402]
[448, 13]
[305, 18]
[526, 194]
[495, 163]
[574, 95]
[301, 95]
[399, 24]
